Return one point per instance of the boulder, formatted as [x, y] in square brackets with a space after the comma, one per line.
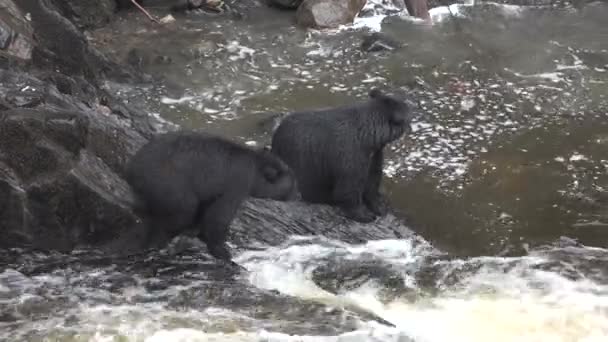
[60, 165]
[328, 13]
[71, 55]
[15, 32]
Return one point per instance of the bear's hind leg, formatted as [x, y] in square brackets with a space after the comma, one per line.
[175, 218]
[371, 195]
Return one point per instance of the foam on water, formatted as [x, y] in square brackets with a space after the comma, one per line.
[438, 14]
[499, 303]
[192, 335]
[544, 296]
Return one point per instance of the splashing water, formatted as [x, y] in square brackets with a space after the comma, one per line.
[505, 299]
[555, 293]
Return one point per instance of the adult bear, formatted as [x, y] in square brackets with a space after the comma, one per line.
[184, 180]
[336, 153]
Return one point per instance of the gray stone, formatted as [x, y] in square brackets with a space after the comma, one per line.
[15, 32]
[328, 13]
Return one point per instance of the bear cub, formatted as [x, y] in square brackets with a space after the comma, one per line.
[336, 153]
[184, 180]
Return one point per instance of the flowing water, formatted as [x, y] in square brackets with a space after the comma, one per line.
[504, 180]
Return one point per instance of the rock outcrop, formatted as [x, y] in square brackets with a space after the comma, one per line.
[60, 166]
[87, 14]
[63, 139]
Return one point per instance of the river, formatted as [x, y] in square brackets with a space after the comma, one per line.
[503, 180]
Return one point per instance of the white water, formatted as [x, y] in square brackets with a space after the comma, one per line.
[438, 14]
[522, 304]
[495, 299]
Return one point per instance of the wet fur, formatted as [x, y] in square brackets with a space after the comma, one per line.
[185, 180]
[337, 153]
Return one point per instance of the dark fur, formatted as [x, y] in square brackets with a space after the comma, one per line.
[336, 153]
[186, 179]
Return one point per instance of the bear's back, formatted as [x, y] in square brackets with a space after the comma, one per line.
[184, 157]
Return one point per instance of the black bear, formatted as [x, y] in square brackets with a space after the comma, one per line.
[184, 180]
[336, 153]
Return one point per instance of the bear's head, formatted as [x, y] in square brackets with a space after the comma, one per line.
[274, 180]
[398, 112]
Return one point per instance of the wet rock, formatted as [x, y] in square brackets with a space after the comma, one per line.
[13, 283]
[70, 55]
[377, 41]
[15, 32]
[137, 59]
[32, 306]
[87, 14]
[281, 313]
[418, 8]
[13, 213]
[190, 5]
[328, 13]
[59, 167]
[340, 276]
[272, 222]
[349, 275]
[287, 4]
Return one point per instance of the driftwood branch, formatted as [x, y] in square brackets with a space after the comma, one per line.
[145, 12]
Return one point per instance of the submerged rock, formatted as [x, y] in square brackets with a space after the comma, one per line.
[328, 13]
[349, 275]
[377, 41]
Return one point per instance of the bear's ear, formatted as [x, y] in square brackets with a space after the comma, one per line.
[375, 93]
[270, 173]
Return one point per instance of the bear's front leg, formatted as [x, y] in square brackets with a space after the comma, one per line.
[215, 224]
[371, 195]
[348, 193]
